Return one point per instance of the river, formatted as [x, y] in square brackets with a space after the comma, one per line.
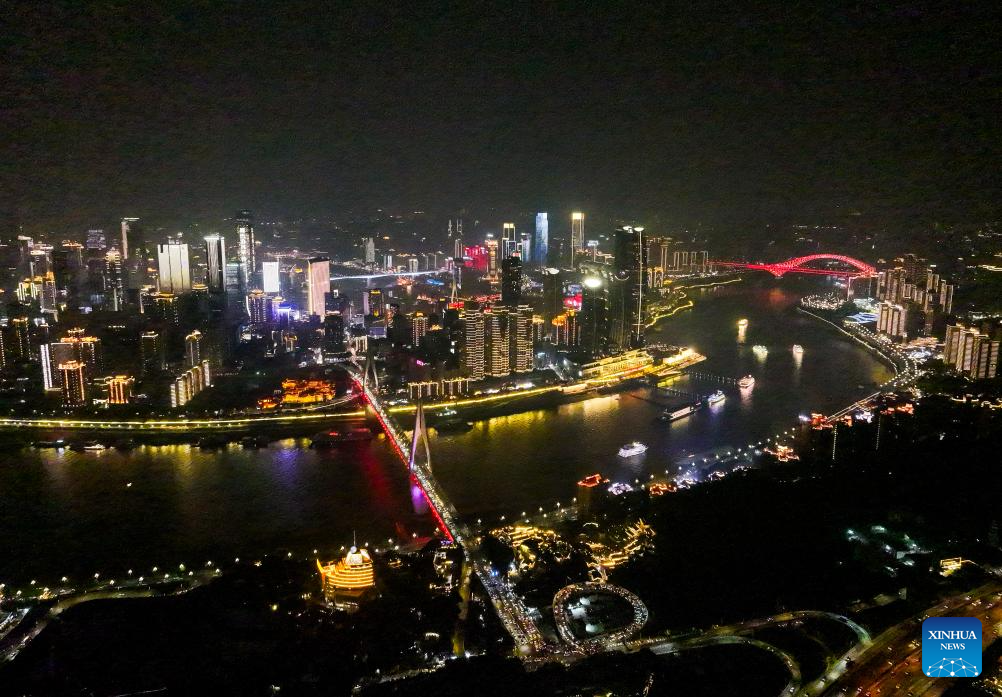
[74, 514]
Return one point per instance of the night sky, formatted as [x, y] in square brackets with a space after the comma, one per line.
[695, 111]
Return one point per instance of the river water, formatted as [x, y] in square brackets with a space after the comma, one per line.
[76, 514]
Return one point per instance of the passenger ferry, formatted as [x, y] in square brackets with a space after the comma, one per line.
[716, 398]
[746, 381]
[760, 350]
[798, 350]
[94, 446]
[632, 449]
[742, 323]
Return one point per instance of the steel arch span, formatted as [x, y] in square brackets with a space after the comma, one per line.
[799, 265]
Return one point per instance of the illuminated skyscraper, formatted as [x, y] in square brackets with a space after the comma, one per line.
[627, 316]
[541, 244]
[260, 307]
[270, 277]
[497, 341]
[127, 225]
[492, 257]
[318, 285]
[594, 315]
[96, 240]
[511, 281]
[173, 266]
[509, 240]
[193, 348]
[520, 339]
[374, 303]
[577, 234]
[120, 389]
[473, 344]
[215, 259]
[245, 247]
[151, 353]
[370, 250]
[74, 387]
[419, 327]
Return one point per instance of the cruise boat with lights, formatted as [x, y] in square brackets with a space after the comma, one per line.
[632, 449]
[742, 323]
[746, 381]
[716, 398]
[798, 350]
[674, 415]
[760, 350]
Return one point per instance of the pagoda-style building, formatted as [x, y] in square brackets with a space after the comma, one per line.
[345, 581]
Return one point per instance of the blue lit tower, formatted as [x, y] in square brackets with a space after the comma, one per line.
[541, 245]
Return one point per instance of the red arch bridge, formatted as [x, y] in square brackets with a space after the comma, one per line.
[857, 268]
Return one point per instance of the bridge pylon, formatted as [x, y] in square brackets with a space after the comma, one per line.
[369, 377]
[420, 439]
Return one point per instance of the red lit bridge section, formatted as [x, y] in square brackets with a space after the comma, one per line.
[807, 264]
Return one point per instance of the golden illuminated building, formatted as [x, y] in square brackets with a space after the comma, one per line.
[343, 582]
[296, 392]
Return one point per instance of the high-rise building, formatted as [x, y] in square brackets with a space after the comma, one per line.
[120, 389]
[509, 240]
[96, 240]
[74, 386]
[891, 320]
[73, 348]
[520, 335]
[626, 316]
[193, 348]
[151, 353]
[245, 247]
[190, 383]
[567, 330]
[473, 344]
[497, 341]
[318, 285]
[541, 244]
[577, 234]
[271, 277]
[173, 267]
[492, 257]
[374, 303]
[511, 281]
[968, 350]
[20, 338]
[215, 260]
[419, 327]
[594, 314]
[370, 250]
[260, 307]
[127, 225]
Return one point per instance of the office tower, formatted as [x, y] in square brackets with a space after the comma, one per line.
[492, 257]
[114, 280]
[419, 327]
[96, 240]
[473, 344]
[567, 329]
[127, 224]
[374, 303]
[370, 250]
[509, 241]
[47, 294]
[891, 320]
[39, 260]
[318, 284]
[120, 389]
[193, 348]
[151, 353]
[245, 247]
[594, 318]
[520, 338]
[457, 249]
[74, 387]
[271, 277]
[511, 281]
[577, 234]
[497, 341]
[541, 244]
[215, 262]
[412, 265]
[48, 377]
[173, 267]
[260, 307]
[553, 293]
[68, 267]
[626, 316]
[233, 281]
